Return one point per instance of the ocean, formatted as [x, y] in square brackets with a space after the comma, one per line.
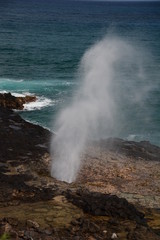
[42, 44]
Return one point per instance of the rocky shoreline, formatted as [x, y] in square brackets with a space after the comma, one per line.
[116, 194]
[9, 101]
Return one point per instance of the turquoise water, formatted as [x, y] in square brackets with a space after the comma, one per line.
[42, 43]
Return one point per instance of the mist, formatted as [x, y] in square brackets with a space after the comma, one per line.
[108, 74]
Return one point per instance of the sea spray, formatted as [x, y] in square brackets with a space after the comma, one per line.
[94, 109]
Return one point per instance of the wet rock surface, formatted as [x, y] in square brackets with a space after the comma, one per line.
[35, 206]
[9, 101]
[99, 204]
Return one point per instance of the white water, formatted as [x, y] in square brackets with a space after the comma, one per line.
[40, 103]
[96, 105]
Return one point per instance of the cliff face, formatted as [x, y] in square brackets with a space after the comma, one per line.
[35, 206]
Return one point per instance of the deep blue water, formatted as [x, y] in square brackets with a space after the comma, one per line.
[42, 42]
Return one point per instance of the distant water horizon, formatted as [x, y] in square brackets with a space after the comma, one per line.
[42, 44]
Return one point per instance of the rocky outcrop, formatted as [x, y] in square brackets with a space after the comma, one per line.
[35, 206]
[9, 101]
[24, 153]
[20, 139]
[99, 204]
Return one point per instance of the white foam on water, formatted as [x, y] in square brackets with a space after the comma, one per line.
[132, 137]
[18, 94]
[40, 103]
[3, 91]
[11, 80]
[23, 94]
[138, 137]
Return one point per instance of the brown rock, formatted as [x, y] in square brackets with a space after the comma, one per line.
[32, 224]
[7, 228]
[13, 235]
[91, 238]
[48, 238]
[25, 181]
[12, 221]
[21, 233]
[48, 231]
[99, 204]
[7, 100]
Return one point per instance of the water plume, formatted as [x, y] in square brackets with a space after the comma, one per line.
[95, 107]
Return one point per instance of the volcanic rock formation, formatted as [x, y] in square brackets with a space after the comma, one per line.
[9, 101]
[35, 206]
